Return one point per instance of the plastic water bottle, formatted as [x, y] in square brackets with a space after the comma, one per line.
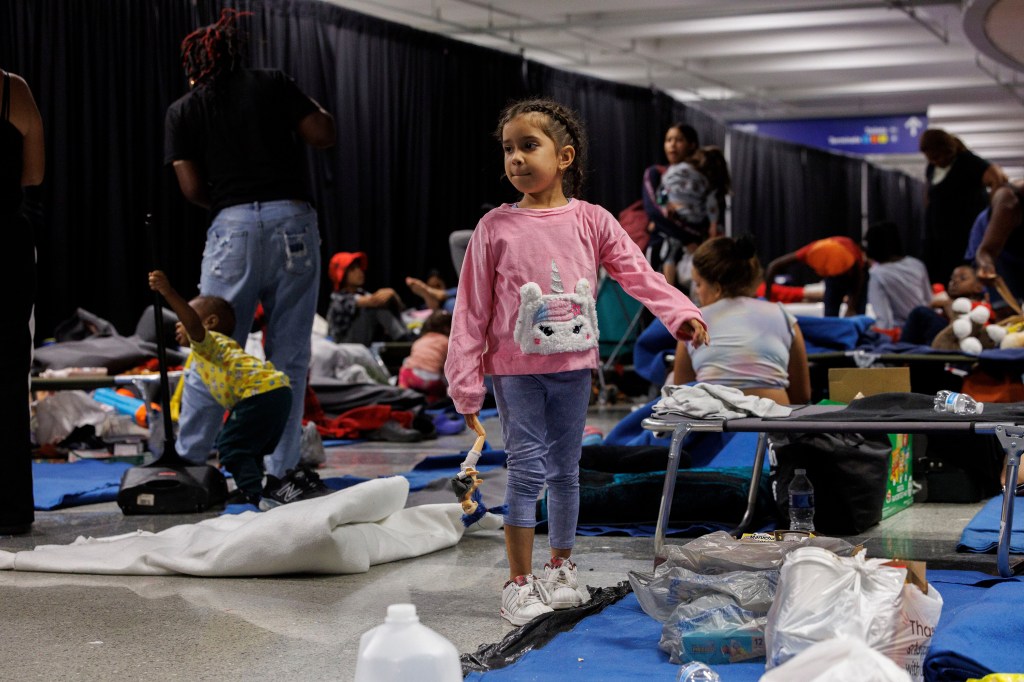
[957, 403]
[404, 649]
[695, 671]
[801, 502]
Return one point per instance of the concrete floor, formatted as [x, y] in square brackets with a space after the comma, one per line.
[83, 627]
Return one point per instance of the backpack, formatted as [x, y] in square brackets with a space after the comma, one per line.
[634, 221]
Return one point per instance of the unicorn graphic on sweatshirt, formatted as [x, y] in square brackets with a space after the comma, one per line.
[558, 322]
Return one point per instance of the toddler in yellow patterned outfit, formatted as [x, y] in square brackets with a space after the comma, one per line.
[258, 397]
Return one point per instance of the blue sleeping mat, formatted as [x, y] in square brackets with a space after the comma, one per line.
[981, 615]
[76, 483]
[981, 534]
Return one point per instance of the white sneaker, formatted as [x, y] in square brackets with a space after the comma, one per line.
[562, 583]
[523, 599]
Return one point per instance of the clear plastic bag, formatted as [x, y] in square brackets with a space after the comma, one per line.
[662, 593]
[714, 629]
[720, 552]
[713, 594]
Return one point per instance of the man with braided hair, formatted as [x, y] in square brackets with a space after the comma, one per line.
[235, 142]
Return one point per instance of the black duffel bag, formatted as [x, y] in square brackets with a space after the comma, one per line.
[848, 472]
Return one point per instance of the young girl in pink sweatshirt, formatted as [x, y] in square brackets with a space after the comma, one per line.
[525, 315]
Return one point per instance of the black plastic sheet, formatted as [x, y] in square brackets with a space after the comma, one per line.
[539, 631]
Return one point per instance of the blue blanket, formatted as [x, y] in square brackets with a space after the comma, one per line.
[709, 450]
[646, 531]
[430, 469]
[981, 627]
[981, 534]
[981, 615]
[69, 485]
[825, 334]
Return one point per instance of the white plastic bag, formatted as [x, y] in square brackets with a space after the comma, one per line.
[838, 660]
[822, 596]
[917, 620]
[60, 413]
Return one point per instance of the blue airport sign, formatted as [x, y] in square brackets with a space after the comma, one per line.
[871, 135]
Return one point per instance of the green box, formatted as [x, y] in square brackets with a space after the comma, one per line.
[899, 490]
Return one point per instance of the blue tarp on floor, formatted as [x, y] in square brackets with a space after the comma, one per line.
[981, 615]
[71, 484]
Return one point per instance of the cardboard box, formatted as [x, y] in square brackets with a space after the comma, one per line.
[844, 384]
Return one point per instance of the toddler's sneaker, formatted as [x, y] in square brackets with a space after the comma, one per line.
[239, 497]
[562, 584]
[523, 599]
[297, 484]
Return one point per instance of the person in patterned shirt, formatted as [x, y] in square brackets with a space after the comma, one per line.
[257, 396]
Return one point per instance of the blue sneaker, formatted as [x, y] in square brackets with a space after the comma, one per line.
[448, 425]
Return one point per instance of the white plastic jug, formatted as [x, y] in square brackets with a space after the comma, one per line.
[403, 649]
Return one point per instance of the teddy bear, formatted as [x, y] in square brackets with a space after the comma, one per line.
[970, 332]
[1014, 332]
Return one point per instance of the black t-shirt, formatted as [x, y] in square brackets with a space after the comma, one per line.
[241, 133]
[953, 204]
[11, 154]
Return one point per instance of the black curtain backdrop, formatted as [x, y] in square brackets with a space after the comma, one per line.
[900, 198]
[788, 195]
[415, 159]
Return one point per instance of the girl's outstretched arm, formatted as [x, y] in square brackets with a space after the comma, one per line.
[696, 332]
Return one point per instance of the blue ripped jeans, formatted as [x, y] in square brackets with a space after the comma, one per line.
[269, 253]
[542, 420]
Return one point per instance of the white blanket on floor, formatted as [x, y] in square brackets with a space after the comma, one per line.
[345, 532]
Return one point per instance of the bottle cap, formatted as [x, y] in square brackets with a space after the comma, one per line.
[402, 613]
[800, 471]
[979, 408]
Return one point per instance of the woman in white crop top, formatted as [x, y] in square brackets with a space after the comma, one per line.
[758, 345]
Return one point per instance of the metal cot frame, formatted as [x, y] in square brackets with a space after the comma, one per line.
[1010, 436]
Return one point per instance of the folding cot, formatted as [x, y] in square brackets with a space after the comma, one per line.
[1009, 431]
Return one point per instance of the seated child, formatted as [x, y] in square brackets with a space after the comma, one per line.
[685, 192]
[355, 315]
[435, 294]
[257, 396]
[423, 370]
[925, 322]
[897, 283]
[687, 199]
[963, 283]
